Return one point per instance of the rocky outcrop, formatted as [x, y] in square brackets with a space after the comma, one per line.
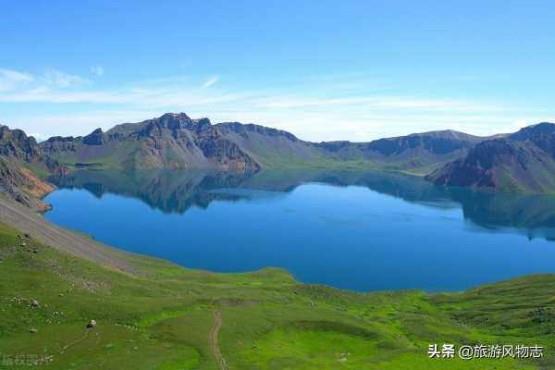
[20, 158]
[95, 138]
[16, 144]
[59, 144]
[21, 184]
[170, 141]
[523, 161]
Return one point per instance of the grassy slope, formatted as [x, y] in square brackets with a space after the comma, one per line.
[161, 318]
[110, 156]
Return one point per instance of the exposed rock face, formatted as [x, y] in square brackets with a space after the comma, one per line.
[170, 141]
[19, 154]
[523, 161]
[59, 144]
[16, 144]
[22, 185]
[95, 138]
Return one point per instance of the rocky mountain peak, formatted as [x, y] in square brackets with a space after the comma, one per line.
[173, 122]
[202, 122]
[534, 131]
[542, 135]
[94, 138]
[16, 144]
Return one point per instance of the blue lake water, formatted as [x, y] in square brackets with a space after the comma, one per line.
[359, 231]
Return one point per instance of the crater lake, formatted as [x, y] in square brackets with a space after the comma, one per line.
[363, 231]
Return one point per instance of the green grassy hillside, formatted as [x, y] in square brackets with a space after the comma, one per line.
[162, 316]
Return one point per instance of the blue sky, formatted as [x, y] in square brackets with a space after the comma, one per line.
[324, 70]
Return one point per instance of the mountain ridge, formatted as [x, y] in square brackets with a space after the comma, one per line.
[523, 161]
[174, 140]
[170, 141]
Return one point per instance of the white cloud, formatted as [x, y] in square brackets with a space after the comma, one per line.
[97, 70]
[211, 81]
[10, 79]
[315, 111]
[55, 78]
[23, 82]
[16, 76]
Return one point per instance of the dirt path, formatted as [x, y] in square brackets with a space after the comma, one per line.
[75, 342]
[213, 341]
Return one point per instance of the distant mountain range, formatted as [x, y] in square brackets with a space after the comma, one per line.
[179, 142]
[523, 161]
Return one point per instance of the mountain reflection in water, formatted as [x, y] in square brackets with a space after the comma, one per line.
[178, 191]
